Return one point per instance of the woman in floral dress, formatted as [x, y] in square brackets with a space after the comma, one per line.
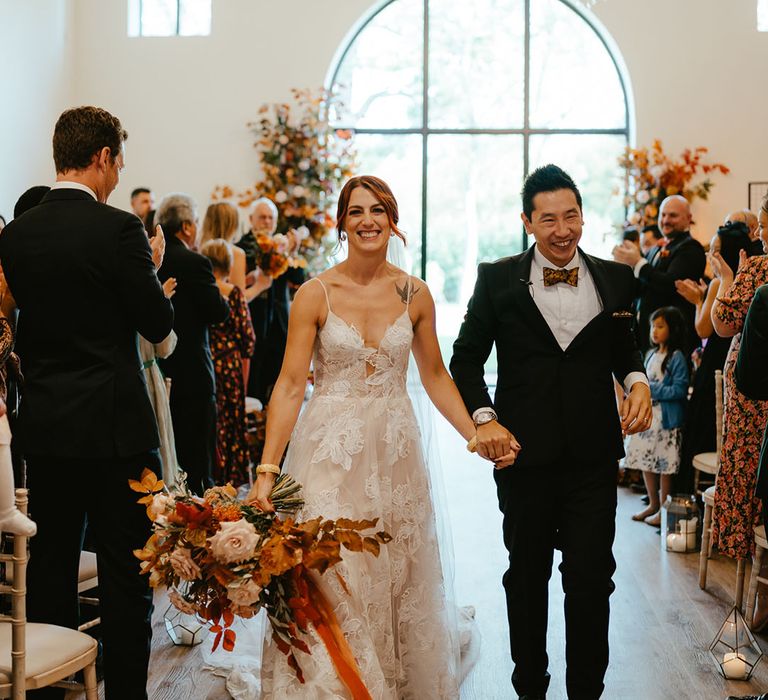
[737, 510]
[232, 341]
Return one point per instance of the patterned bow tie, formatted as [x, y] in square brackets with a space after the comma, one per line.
[552, 276]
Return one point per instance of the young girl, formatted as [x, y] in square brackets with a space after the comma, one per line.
[656, 452]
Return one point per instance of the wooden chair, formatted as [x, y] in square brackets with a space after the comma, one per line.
[709, 462]
[88, 579]
[761, 545]
[34, 655]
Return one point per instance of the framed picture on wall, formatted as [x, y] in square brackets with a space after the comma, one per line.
[757, 190]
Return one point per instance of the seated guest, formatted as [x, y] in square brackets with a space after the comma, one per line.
[232, 343]
[737, 510]
[196, 304]
[699, 431]
[31, 198]
[143, 205]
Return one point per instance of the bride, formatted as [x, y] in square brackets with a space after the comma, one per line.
[356, 450]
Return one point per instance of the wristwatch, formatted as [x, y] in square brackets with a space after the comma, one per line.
[484, 416]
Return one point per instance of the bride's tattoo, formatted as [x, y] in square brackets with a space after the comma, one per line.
[407, 292]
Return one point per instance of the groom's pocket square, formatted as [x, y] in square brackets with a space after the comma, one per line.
[622, 314]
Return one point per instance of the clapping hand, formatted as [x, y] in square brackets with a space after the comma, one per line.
[157, 244]
[169, 287]
[722, 270]
[695, 292]
[626, 253]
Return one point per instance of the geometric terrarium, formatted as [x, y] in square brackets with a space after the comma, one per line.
[734, 649]
[183, 629]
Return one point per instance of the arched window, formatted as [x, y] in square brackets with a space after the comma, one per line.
[453, 102]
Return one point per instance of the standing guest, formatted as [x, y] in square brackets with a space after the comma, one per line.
[86, 424]
[143, 205]
[656, 452]
[562, 324]
[752, 224]
[222, 221]
[232, 344]
[2, 222]
[269, 303]
[680, 257]
[737, 509]
[31, 198]
[197, 304]
[649, 239]
[699, 432]
[631, 234]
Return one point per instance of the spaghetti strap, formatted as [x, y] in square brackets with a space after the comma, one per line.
[325, 290]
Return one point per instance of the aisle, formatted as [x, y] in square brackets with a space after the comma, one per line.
[661, 621]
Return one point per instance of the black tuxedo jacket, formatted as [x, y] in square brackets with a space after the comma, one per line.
[82, 275]
[558, 403]
[197, 304]
[752, 370]
[684, 258]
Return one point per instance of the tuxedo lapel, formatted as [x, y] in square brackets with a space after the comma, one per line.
[522, 296]
[604, 291]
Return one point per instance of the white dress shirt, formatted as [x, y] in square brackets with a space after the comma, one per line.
[69, 185]
[566, 309]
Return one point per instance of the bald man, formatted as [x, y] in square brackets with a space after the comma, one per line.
[679, 257]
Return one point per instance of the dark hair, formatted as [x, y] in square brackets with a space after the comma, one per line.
[734, 237]
[678, 333]
[81, 133]
[140, 190]
[654, 229]
[31, 198]
[548, 178]
[630, 234]
[379, 189]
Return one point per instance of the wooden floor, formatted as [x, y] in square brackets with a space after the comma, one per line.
[661, 623]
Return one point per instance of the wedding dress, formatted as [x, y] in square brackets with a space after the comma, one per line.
[356, 450]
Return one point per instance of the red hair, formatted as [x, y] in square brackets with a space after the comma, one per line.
[380, 190]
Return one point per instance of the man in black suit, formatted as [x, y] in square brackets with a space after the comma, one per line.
[681, 257]
[752, 381]
[269, 303]
[197, 304]
[562, 326]
[83, 276]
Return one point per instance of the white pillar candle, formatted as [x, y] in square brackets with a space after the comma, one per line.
[676, 542]
[734, 666]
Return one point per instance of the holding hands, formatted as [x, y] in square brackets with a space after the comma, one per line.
[635, 412]
[495, 443]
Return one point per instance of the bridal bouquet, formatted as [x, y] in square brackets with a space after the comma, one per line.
[275, 254]
[221, 558]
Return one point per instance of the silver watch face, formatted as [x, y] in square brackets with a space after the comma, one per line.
[484, 417]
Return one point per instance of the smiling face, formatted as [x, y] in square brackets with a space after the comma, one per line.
[366, 222]
[674, 216]
[556, 223]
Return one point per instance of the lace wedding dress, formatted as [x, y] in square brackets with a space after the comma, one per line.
[356, 449]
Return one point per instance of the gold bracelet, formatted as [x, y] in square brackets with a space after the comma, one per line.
[472, 444]
[268, 469]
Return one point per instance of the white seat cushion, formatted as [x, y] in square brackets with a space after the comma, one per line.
[87, 566]
[709, 496]
[48, 647]
[706, 462]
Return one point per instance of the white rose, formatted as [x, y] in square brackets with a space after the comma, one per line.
[282, 244]
[643, 196]
[283, 139]
[244, 593]
[304, 164]
[234, 542]
[298, 191]
[183, 564]
[301, 233]
[161, 504]
[281, 197]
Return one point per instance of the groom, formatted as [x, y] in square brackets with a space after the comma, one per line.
[562, 324]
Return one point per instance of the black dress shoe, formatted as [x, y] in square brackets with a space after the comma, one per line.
[532, 697]
[764, 696]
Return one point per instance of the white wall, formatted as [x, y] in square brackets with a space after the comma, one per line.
[696, 67]
[35, 87]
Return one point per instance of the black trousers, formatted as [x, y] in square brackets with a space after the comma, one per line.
[266, 363]
[570, 507]
[194, 430]
[63, 494]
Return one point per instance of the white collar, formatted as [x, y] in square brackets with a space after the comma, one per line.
[542, 262]
[69, 185]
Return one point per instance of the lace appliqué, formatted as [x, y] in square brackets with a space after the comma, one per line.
[339, 438]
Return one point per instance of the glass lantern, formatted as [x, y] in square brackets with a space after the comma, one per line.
[734, 649]
[184, 630]
[680, 524]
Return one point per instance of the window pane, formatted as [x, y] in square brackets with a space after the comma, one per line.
[195, 19]
[574, 83]
[380, 77]
[476, 54]
[396, 159]
[762, 15]
[158, 17]
[473, 216]
[591, 161]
